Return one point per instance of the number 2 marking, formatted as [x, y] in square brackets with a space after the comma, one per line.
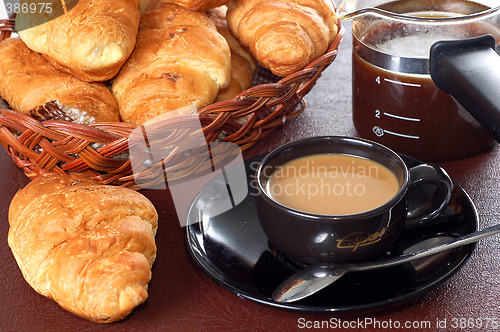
[377, 114]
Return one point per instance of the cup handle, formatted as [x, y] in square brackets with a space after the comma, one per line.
[437, 203]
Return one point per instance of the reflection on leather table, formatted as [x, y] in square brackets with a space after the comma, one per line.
[183, 298]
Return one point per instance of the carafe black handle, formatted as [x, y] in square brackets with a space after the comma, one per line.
[469, 70]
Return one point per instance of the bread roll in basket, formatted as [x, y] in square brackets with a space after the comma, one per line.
[101, 150]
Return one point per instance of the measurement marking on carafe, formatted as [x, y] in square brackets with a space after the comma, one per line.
[400, 135]
[401, 117]
[403, 83]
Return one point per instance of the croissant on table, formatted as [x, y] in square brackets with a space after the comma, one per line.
[31, 85]
[180, 60]
[91, 41]
[88, 246]
[284, 35]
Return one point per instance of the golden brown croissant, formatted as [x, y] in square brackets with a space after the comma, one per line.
[87, 246]
[31, 85]
[242, 63]
[180, 60]
[198, 4]
[91, 41]
[284, 35]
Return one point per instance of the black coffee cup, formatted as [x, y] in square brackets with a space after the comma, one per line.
[315, 238]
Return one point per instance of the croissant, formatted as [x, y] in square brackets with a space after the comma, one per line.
[87, 246]
[92, 41]
[242, 63]
[180, 60]
[284, 35]
[198, 4]
[31, 85]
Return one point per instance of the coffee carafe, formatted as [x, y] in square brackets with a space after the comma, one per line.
[434, 106]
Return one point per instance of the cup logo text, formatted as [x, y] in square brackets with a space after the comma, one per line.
[359, 239]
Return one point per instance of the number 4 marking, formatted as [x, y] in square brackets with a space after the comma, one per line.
[377, 80]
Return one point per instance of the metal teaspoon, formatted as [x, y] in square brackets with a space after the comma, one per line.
[316, 277]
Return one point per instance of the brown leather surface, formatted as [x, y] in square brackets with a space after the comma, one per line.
[183, 298]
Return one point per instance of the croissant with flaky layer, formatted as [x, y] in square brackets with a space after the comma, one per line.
[180, 60]
[242, 63]
[88, 246]
[31, 85]
[92, 41]
[284, 35]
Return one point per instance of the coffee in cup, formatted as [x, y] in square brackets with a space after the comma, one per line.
[332, 184]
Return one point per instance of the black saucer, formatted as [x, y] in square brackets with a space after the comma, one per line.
[234, 251]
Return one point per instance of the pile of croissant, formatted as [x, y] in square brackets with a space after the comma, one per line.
[88, 246]
[134, 60]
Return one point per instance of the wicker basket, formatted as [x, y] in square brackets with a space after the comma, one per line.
[100, 150]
